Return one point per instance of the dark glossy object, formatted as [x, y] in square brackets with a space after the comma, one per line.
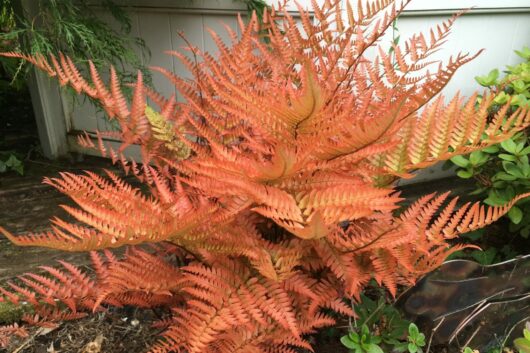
[464, 303]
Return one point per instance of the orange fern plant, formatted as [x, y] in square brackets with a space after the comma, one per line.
[271, 192]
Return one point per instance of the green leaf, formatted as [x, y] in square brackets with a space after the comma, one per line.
[365, 331]
[464, 174]
[478, 191]
[413, 330]
[420, 340]
[525, 168]
[484, 257]
[15, 164]
[525, 183]
[504, 176]
[519, 86]
[519, 100]
[524, 53]
[499, 184]
[375, 339]
[3, 167]
[491, 149]
[507, 157]
[501, 98]
[512, 169]
[399, 347]
[522, 344]
[509, 145]
[478, 158]
[525, 151]
[488, 80]
[460, 161]
[474, 235]
[412, 348]
[348, 343]
[526, 334]
[354, 336]
[19, 169]
[515, 214]
[374, 348]
[495, 198]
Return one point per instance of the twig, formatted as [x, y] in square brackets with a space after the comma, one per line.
[351, 327]
[472, 336]
[432, 334]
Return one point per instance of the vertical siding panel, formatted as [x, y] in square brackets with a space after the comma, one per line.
[520, 35]
[496, 32]
[103, 122]
[156, 31]
[191, 26]
[83, 116]
[216, 24]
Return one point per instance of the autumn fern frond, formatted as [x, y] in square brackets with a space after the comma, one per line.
[9, 331]
[445, 131]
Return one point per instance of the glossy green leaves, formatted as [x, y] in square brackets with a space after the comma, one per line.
[362, 342]
[523, 343]
[489, 79]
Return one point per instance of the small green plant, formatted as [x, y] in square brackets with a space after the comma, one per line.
[514, 87]
[380, 324]
[502, 171]
[379, 313]
[469, 350]
[490, 79]
[10, 162]
[523, 343]
[362, 342]
[416, 339]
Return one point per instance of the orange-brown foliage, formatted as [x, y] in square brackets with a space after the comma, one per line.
[271, 184]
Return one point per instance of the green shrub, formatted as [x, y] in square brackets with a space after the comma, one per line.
[503, 171]
[71, 27]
